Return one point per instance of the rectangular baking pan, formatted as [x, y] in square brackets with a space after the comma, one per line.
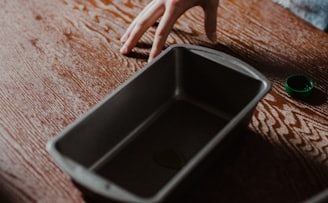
[145, 138]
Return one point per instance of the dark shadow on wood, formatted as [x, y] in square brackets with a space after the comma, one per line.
[143, 45]
[137, 55]
[316, 98]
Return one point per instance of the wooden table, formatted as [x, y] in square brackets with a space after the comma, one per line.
[60, 58]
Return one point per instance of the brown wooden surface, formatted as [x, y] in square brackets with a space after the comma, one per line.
[59, 58]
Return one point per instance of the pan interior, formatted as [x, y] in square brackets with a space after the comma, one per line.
[161, 148]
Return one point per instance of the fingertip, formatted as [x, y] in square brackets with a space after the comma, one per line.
[122, 40]
[212, 36]
[124, 37]
[154, 52]
[150, 58]
[211, 20]
[210, 28]
[124, 49]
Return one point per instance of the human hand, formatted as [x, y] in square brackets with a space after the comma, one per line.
[170, 11]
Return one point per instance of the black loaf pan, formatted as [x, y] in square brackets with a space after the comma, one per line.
[145, 138]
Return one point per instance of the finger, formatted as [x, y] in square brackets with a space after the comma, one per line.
[163, 30]
[210, 10]
[134, 22]
[140, 27]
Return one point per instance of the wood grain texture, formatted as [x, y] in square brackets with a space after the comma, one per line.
[60, 58]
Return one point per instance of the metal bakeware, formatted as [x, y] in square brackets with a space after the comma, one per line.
[142, 141]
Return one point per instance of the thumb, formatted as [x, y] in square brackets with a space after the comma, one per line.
[210, 10]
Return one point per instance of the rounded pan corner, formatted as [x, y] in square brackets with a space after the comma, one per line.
[107, 189]
[230, 62]
[85, 178]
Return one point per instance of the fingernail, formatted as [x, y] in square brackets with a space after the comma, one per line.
[122, 39]
[123, 50]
